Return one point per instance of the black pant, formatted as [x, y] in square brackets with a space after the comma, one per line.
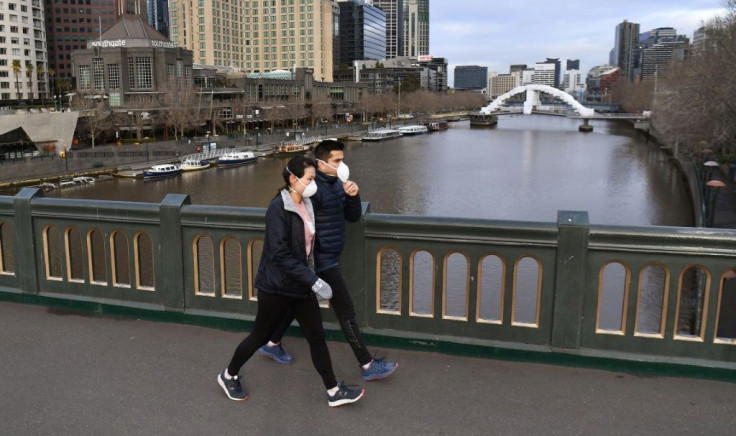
[343, 306]
[271, 310]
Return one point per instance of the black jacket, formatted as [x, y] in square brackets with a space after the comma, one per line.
[332, 207]
[285, 268]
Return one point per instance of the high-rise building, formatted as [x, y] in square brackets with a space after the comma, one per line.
[557, 70]
[625, 45]
[471, 77]
[158, 16]
[658, 58]
[503, 83]
[572, 64]
[23, 57]
[394, 26]
[69, 28]
[416, 28]
[361, 33]
[259, 36]
[545, 73]
[436, 72]
[571, 80]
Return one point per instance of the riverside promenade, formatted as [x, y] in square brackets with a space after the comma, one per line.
[75, 373]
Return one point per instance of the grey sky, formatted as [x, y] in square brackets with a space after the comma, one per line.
[497, 34]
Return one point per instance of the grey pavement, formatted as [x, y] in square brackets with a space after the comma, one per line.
[70, 373]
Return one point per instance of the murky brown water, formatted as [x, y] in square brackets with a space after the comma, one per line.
[527, 168]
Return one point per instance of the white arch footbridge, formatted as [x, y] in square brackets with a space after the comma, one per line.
[532, 99]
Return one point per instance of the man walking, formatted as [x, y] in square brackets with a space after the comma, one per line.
[337, 200]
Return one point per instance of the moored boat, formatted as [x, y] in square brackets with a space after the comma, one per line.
[380, 135]
[193, 164]
[436, 126]
[482, 119]
[163, 170]
[236, 158]
[290, 149]
[412, 130]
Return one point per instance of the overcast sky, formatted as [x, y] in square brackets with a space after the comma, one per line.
[497, 34]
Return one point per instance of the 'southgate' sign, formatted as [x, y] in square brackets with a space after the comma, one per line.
[111, 43]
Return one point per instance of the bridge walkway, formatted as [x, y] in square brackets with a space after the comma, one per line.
[80, 373]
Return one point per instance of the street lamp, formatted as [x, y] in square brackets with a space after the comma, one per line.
[714, 187]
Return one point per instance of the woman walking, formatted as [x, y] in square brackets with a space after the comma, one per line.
[286, 282]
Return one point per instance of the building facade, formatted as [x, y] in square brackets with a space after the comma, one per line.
[259, 36]
[471, 77]
[544, 74]
[626, 44]
[416, 28]
[132, 65]
[503, 83]
[23, 55]
[394, 26]
[361, 33]
[158, 16]
[69, 25]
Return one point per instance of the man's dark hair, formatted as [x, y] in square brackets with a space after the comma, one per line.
[323, 149]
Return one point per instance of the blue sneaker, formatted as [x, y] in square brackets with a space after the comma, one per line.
[232, 387]
[277, 353]
[345, 395]
[379, 369]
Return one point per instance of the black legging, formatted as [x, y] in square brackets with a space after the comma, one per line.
[342, 303]
[271, 311]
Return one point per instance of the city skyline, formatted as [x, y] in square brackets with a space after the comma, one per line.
[499, 34]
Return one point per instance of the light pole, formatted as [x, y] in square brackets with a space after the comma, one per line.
[398, 111]
[207, 141]
[714, 186]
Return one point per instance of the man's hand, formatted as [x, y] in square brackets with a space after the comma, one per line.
[351, 188]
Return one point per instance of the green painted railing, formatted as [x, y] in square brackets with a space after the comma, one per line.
[501, 288]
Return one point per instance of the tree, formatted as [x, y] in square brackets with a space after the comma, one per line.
[16, 66]
[321, 109]
[695, 107]
[95, 114]
[29, 74]
[181, 112]
[40, 76]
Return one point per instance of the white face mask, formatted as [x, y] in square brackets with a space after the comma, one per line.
[343, 172]
[309, 190]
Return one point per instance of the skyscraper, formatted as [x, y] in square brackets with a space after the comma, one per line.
[69, 29]
[22, 39]
[394, 26]
[572, 64]
[471, 77]
[362, 32]
[416, 28]
[625, 45]
[258, 36]
[158, 15]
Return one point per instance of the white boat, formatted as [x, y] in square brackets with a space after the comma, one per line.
[193, 164]
[380, 135]
[163, 170]
[236, 158]
[83, 180]
[413, 130]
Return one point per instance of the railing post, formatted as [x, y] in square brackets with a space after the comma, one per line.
[170, 271]
[569, 292]
[353, 264]
[26, 262]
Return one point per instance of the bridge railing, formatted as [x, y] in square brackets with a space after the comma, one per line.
[649, 293]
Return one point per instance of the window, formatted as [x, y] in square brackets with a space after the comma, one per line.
[113, 76]
[98, 73]
[141, 73]
[83, 77]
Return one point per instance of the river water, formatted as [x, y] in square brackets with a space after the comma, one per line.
[526, 168]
